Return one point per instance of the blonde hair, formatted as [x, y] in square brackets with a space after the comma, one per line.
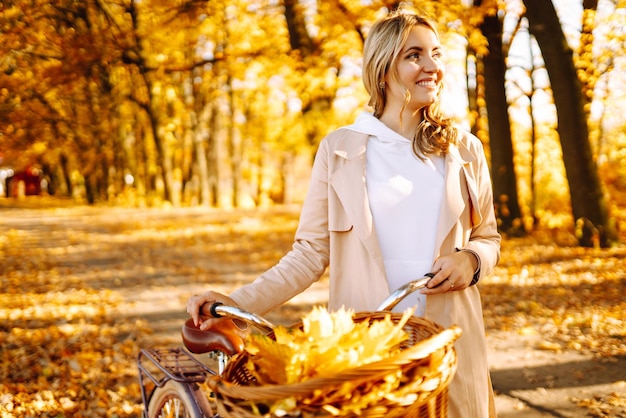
[382, 48]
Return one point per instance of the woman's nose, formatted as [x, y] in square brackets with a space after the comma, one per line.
[432, 65]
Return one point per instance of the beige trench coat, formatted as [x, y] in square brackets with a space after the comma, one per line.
[336, 215]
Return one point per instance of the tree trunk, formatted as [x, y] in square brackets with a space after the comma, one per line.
[588, 205]
[299, 38]
[212, 156]
[63, 160]
[533, 135]
[162, 148]
[500, 142]
[203, 169]
[472, 90]
[234, 146]
[164, 157]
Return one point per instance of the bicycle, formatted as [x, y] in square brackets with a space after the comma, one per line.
[176, 374]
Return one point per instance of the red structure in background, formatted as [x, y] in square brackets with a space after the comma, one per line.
[24, 183]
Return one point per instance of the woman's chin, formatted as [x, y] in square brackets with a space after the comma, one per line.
[423, 103]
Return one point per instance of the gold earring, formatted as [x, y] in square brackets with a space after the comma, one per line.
[381, 84]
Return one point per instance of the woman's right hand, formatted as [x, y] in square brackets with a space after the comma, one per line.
[202, 317]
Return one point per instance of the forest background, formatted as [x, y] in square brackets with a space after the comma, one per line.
[222, 104]
[219, 106]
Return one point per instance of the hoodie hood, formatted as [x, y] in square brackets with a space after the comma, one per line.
[366, 123]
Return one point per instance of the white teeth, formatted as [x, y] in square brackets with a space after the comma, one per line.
[426, 83]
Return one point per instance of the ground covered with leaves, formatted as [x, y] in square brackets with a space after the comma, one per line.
[76, 285]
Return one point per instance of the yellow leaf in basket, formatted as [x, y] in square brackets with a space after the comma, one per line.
[365, 344]
[326, 345]
[284, 407]
[268, 360]
[408, 399]
[331, 410]
[322, 325]
[431, 384]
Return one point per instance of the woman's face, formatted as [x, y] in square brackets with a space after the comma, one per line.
[419, 70]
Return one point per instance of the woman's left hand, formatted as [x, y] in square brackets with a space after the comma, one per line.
[452, 272]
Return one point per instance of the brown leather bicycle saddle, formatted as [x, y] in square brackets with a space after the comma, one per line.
[225, 336]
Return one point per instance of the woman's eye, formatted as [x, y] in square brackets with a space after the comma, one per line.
[416, 55]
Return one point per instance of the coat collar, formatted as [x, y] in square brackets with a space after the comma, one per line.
[365, 125]
[350, 148]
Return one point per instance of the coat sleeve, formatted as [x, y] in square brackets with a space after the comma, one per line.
[309, 256]
[484, 238]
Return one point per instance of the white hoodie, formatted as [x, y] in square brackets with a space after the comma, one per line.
[405, 195]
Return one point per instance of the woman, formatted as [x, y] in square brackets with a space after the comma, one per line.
[398, 194]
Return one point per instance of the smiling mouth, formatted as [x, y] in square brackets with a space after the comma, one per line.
[428, 83]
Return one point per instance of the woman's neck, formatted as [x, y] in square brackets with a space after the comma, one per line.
[405, 127]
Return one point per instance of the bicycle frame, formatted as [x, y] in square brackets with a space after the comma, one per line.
[175, 364]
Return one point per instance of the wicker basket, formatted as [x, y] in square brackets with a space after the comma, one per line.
[427, 361]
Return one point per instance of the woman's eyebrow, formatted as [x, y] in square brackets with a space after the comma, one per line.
[420, 49]
[413, 49]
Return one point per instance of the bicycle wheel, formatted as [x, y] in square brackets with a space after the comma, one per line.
[178, 400]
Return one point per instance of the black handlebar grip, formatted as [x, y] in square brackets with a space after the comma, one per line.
[213, 310]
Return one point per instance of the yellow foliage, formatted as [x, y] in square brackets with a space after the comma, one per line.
[327, 344]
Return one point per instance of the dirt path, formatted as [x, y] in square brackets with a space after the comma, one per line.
[154, 260]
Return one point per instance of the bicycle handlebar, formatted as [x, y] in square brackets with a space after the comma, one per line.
[219, 310]
[228, 338]
[396, 297]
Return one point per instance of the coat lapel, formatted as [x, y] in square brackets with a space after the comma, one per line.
[350, 165]
[455, 194]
